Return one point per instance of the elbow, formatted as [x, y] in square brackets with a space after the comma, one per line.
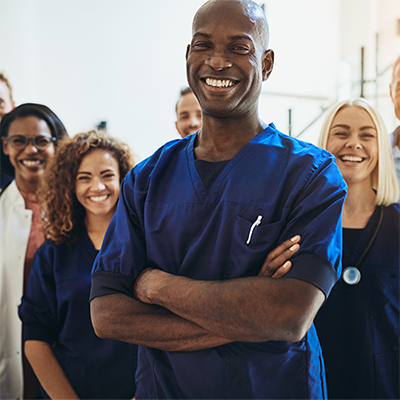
[297, 328]
[100, 321]
[297, 334]
[290, 329]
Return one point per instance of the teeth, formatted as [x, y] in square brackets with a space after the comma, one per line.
[98, 198]
[219, 83]
[31, 163]
[351, 158]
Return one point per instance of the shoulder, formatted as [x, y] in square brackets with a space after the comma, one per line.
[167, 153]
[11, 198]
[299, 158]
[392, 212]
[293, 148]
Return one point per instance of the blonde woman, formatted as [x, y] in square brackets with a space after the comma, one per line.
[359, 324]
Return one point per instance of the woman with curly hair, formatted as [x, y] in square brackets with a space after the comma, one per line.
[79, 195]
[30, 136]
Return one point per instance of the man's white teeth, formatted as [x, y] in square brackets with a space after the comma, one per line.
[351, 158]
[98, 198]
[31, 163]
[219, 83]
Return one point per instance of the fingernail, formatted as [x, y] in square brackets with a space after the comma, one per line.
[294, 247]
[295, 238]
[286, 265]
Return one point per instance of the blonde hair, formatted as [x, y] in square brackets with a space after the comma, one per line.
[383, 178]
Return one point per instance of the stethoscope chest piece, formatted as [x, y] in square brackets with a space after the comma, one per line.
[351, 275]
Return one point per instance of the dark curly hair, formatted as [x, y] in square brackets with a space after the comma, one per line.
[62, 212]
[26, 110]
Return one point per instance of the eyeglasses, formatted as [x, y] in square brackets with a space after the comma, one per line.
[41, 142]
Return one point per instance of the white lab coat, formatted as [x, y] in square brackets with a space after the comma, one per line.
[15, 226]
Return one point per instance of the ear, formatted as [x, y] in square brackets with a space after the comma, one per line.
[187, 51]
[267, 63]
[5, 146]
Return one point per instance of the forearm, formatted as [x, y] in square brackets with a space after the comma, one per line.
[123, 318]
[247, 309]
[48, 370]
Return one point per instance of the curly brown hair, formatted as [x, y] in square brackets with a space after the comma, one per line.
[62, 212]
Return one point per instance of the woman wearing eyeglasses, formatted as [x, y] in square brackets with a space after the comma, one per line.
[29, 137]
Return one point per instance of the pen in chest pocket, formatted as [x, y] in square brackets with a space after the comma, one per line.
[255, 224]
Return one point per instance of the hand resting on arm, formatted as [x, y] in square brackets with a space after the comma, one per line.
[121, 317]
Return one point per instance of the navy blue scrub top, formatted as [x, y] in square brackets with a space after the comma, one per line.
[55, 309]
[167, 219]
[359, 324]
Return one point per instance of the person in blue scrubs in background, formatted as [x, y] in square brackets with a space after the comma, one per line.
[79, 196]
[184, 270]
[359, 324]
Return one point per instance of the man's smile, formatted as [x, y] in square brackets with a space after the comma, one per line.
[219, 82]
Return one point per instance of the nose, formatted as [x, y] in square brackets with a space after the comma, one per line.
[31, 148]
[354, 142]
[195, 122]
[98, 184]
[218, 61]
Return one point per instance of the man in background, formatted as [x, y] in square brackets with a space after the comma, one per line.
[6, 101]
[188, 113]
[395, 95]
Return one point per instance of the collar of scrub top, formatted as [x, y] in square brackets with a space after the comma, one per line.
[352, 275]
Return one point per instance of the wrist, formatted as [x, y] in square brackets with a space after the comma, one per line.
[148, 285]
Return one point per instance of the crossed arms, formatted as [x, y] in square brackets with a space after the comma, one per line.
[175, 313]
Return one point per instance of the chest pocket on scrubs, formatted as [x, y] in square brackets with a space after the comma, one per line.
[249, 246]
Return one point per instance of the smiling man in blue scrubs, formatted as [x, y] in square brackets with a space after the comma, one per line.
[179, 270]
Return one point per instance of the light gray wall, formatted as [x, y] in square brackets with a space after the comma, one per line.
[123, 61]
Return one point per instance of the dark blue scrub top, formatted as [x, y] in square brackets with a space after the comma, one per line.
[359, 324]
[167, 219]
[55, 309]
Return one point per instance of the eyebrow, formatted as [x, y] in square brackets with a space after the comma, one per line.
[236, 37]
[363, 128]
[89, 173]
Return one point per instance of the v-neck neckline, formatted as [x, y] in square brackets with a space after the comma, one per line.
[362, 242]
[209, 196]
[87, 242]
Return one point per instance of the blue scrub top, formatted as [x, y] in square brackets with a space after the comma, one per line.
[359, 324]
[167, 219]
[55, 309]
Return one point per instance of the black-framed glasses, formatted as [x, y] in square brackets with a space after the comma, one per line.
[41, 142]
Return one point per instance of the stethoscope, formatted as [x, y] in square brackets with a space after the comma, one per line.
[352, 275]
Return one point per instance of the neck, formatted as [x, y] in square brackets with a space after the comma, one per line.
[27, 186]
[221, 139]
[359, 205]
[96, 227]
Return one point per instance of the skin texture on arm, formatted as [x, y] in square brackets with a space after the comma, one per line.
[250, 309]
[48, 370]
[123, 318]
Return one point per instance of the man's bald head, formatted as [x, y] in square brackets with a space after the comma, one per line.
[247, 7]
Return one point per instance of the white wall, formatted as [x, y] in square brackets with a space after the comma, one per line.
[123, 60]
